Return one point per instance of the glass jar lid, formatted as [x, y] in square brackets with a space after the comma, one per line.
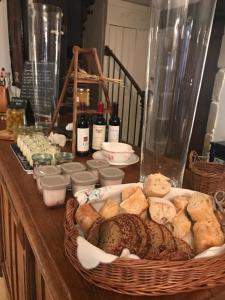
[41, 157]
[63, 157]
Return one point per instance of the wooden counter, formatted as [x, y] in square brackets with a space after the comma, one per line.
[33, 259]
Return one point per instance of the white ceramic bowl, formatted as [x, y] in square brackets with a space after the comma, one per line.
[116, 152]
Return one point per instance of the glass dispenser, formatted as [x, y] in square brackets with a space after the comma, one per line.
[44, 33]
[178, 42]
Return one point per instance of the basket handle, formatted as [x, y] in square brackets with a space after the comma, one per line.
[71, 207]
[193, 157]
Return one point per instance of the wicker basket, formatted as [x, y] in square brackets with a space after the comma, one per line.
[145, 277]
[207, 177]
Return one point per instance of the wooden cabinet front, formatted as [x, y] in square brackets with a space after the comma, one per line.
[20, 268]
[6, 239]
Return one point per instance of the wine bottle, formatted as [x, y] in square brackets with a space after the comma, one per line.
[99, 126]
[114, 124]
[83, 132]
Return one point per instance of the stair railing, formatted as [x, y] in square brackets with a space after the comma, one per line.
[130, 99]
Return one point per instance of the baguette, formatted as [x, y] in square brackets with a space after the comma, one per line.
[109, 209]
[156, 185]
[180, 202]
[207, 234]
[135, 204]
[200, 207]
[161, 211]
[181, 225]
[85, 216]
[129, 191]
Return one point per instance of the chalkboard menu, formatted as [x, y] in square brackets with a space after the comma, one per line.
[38, 86]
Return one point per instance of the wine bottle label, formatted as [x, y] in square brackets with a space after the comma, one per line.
[98, 136]
[82, 139]
[114, 132]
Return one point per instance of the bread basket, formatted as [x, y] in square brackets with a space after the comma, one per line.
[207, 177]
[145, 277]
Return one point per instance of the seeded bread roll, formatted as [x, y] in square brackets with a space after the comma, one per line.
[156, 185]
[207, 234]
[135, 204]
[161, 211]
[109, 209]
[200, 207]
[85, 216]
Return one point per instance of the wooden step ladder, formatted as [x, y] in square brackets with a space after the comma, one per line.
[90, 53]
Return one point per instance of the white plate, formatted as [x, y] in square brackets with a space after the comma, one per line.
[132, 160]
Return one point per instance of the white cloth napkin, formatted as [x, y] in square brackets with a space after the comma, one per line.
[90, 256]
[56, 138]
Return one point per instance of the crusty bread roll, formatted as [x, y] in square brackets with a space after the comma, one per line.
[135, 204]
[181, 225]
[180, 202]
[126, 193]
[207, 234]
[85, 216]
[109, 209]
[156, 185]
[161, 211]
[200, 207]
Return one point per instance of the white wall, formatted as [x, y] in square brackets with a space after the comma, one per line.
[97, 21]
[219, 134]
[4, 39]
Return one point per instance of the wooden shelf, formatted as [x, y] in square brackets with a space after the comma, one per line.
[89, 81]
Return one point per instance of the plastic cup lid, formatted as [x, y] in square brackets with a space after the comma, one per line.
[72, 167]
[47, 171]
[96, 164]
[84, 178]
[111, 173]
[56, 182]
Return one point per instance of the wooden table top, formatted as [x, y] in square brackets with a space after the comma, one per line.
[45, 232]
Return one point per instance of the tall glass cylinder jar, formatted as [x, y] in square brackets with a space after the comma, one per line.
[178, 42]
[44, 32]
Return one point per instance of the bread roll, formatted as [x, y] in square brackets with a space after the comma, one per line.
[180, 202]
[85, 216]
[128, 192]
[156, 185]
[109, 209]
[135, 204]
[161, 211]
[181, 225]
[200, 207]
[207, 234]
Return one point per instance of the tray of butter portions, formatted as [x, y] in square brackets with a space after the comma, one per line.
[28, 144]
[22, 159]
[145, 236]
